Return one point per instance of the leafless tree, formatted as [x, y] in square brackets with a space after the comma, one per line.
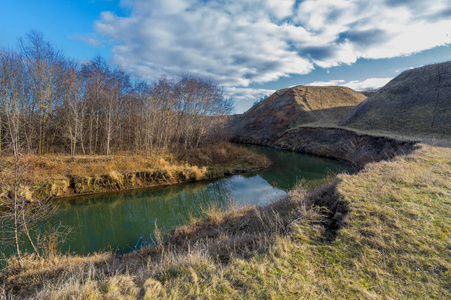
[20, 212]
[44, 65]
[53, 104]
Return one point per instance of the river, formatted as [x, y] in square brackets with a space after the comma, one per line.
[125, 221]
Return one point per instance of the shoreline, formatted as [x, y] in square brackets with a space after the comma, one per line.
[58, 177]
[344, 144]
[162, 185]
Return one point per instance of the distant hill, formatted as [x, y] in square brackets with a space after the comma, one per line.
[416, 102]
[291, 107]
[368, 92]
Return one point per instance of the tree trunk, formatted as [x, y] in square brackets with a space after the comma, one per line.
[27, 232]
[16, 209]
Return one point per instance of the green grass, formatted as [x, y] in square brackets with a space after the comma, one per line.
[394, 242]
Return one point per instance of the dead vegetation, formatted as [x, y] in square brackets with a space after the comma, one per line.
[199, 251]
[59, 175]
[382, 233]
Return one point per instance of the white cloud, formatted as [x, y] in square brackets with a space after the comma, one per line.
[368, 84]
[281, 8]
[357, 85]
[91, 39]
[245, 97]
[240, 42]
[327, 83]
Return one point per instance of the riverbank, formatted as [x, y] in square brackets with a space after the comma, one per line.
[352, 146]
[381, 233]
[63, 176]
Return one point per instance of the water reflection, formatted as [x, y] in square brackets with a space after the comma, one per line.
[125, 221]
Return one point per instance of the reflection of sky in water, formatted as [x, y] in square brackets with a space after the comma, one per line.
[125, 220]
[253, 190]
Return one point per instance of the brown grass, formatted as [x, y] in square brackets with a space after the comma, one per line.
[390, 226]
[58, 175]
[59, 166]
[224, 154]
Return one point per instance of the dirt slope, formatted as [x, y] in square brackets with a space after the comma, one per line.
[291, 107]
[416, 102]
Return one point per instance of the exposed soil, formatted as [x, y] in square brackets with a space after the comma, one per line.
[337, 143]
[289, 108]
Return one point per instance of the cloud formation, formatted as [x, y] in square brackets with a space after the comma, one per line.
[90, 38]
[248, 41]
[245, 97]
[358, 85]
[367, 84]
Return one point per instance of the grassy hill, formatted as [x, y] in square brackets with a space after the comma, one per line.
[416, 102]
[291, 107]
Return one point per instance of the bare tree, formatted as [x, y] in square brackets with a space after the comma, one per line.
[93, 74]
[13, 88]
[20, 212]
[74, 106]
[62, 106]
[198, 100]
[43, 67]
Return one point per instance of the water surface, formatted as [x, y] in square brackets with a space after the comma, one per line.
[126, 220]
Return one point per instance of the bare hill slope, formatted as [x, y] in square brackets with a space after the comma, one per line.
[292, 107]
[416, 102]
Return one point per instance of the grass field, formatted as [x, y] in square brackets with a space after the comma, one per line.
[383, 233]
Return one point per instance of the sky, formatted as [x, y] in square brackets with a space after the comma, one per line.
[251, 48]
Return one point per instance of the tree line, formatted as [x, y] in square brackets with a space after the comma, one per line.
[51, 104]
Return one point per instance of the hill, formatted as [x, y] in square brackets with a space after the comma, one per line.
[416, 102]
[291, 107]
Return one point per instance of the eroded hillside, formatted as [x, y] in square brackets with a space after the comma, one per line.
[291, 107]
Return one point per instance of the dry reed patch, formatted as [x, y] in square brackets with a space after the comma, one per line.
[39, 274]
[224, 154]
[46, 167]
[58, 175]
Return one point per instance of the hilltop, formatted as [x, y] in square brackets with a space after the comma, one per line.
[417, 102]
[291, 107]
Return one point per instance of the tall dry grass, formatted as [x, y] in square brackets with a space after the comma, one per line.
[58, 175]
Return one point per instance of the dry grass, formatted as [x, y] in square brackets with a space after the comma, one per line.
[390, 239]
[58, 176]
[417, 102]
[224, 154]
[59, 166]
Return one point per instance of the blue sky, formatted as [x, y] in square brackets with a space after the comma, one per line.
[250, 47]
